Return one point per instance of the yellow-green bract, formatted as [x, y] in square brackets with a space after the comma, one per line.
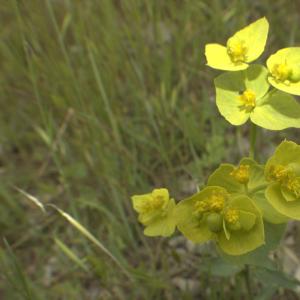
[284, 68]
[242, 95]
[242, 48]
[283, 172]
[247, 178]
[233, 221]
[155, 212]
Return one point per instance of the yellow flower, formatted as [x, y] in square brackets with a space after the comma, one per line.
[293, 185]
[214, 203]
[232, 216]
[248, 100]
[243, 95]
[232, 220]
[284, 70]
[241, 173]
[249, 178]
[279, 173]
[243, 47]
[282, 170]
[155, 212]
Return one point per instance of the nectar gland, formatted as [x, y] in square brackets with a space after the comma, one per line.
[152, 203]
[215, 203]
[293, 185]
[287, 178]
[201, 207]
[241, 174]
[279, 173]
[281, 72]
[232, 216]
[237, 50]
[248, 100]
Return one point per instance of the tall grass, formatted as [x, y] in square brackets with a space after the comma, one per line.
[101, 100]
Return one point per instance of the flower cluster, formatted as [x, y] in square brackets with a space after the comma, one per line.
[237, 201]
[232, 220]
[244, 92]
[233, 206]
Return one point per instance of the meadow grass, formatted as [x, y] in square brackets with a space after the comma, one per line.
[102, 100]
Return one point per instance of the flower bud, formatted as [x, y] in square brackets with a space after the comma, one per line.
[295, 75]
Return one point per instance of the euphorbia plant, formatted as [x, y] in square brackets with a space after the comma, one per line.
[239, 202]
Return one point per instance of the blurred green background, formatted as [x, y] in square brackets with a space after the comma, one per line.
[102, 99]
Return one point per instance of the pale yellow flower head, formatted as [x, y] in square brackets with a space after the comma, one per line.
[241, 173]
[155, 212]
[243, 47]
[284, 70]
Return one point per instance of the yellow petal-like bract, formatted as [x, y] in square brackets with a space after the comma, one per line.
[155, 212]
[233, 221]
[243, 47]
[283, 172]
[217, 57]
[284, 70]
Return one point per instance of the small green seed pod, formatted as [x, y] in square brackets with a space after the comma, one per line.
[295, 75]
[234, 226]
[214, 222]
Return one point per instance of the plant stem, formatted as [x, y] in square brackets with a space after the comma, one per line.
[258, 188]
[246, 272]
[252, 140]
[248, 281]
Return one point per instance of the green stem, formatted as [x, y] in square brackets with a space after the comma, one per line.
[258, 188]
[246, 188]
[246, 272]
[247, 278]
[271, 92]
[252, 140]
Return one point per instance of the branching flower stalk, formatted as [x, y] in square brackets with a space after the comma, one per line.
[240, 201]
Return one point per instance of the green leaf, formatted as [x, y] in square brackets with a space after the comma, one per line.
[276, 278]
[277, 111]
[71, 254]
[81, 229]
[217, 266]
[273, 234]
